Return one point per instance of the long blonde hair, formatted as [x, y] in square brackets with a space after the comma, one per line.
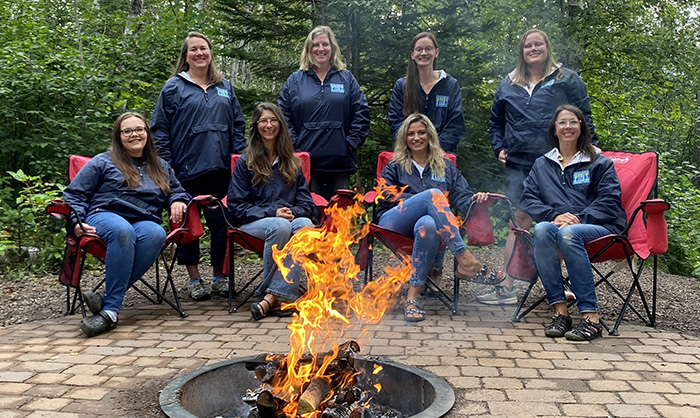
[403, 155]
[307, 60]
[214, 76]
[521, 75]
[257, 160]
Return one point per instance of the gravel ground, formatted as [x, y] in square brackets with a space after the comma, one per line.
[26, 299]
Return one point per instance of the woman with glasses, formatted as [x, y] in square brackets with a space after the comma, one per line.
[326, 112]
[520, 113]
[422, 211]
[269, 199]
[120, 195]
[433, 93]
[573, 194]
[197, 124]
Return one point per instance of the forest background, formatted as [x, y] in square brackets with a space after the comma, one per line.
[70, 67]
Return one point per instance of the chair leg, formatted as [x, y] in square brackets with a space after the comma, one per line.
[517, 316]
[250, 295]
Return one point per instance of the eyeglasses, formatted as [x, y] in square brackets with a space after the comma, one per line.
[564, 123]
[427, 49]
[139, 131]
[272, 121]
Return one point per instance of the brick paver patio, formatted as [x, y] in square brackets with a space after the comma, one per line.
[49, 369]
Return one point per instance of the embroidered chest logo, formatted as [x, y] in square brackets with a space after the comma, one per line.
[337, 88]
[582, 177]
[434, 177]
[442, 101]
[549, 83]
[223, 92]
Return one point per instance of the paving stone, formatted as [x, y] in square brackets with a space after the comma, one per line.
[87, 393]
[684, 399]
[484, 395]
[521, 409]
[656, 387]
[668, 411]
[48, 378]
[17, 377]
[688, 387]
[547, 396]
[12, 388]
[501, 383]
[12, 401]
[86, 380]
[632, 411]
[609, 385]
[47, 404]
[584, 410]
[643, 398]
[7, 413]
[47, 391]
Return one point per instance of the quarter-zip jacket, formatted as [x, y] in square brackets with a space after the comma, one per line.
[443, 106]
[100, 186]
[589, 190]
[247, 203]
[328, 119]
[519, 120]
[454, 183]
[197, 130]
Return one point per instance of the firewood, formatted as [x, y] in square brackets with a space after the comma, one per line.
[313, 395]
[270, 406]
[264, 359]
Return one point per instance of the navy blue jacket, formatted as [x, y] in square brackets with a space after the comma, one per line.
[196, 131]
[100, 186]
[591, 192]
[248, 203]
[519, 121]
[459, 192]
[329, 120]
[443, 106]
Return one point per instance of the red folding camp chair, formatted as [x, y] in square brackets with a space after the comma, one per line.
[76, 251]
[251, 243]
[478, 227]
[645, 236]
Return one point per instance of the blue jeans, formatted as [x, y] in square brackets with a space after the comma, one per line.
[277, 230]
[131, 251]
[570, 241]
[419, 218]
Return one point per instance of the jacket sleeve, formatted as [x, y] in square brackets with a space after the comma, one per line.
[303, 203]
[578, 95]
[359, 114]
[161, 121]
[177, 192]
[241, 207]
[395, 113]
[285, 104]
[81, 190]
[460, 195]
[390, 174]
[531, 200]
[607, 205]
[453, 128]
[238, 139]
[497, 122]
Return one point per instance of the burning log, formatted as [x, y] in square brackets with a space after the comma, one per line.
[269, 406]
[313, 395]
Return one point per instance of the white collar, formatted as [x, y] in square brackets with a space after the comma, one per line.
[579, 157]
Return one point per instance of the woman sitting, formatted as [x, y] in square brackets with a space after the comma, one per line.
[120, 195]
[573, 194]
[422, 210]
[269, 199]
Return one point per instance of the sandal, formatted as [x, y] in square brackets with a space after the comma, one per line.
[257, 310]
[483, 276]
[560, 325]
[418, 310]
[586, 330]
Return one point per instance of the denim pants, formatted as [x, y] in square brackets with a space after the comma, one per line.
[131, 251]
[277, 230]
[570, 241]
[419, 218]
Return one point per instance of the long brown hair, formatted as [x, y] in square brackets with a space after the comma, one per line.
[257, 160]
[584, 144]
[307, 61]
[214, 76]
[521, 75]
[125, 163]
[412, 100]
[403, 154]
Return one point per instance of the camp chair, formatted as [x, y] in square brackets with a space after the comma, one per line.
[478, 226]
[253, 244]
[77, 249]
[645, 236]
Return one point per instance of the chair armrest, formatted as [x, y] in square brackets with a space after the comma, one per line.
[58, 209]
[657, 228]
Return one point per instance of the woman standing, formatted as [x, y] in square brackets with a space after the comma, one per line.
[120, 195]
[422, 211]
[520, 114]
[326, 112]
[269, 199]
[435, 94]
[197, 124]
[573, 194]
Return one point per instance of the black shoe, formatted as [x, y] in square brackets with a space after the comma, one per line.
[95, 325]
[559, 326]
[585, 330]
[94, 301]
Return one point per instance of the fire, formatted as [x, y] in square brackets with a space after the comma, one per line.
[331, 308]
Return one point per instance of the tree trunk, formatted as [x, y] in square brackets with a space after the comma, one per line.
[135, 10]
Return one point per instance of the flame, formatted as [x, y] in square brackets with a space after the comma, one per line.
[377, 369]
[331, 307]
[378, 387]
